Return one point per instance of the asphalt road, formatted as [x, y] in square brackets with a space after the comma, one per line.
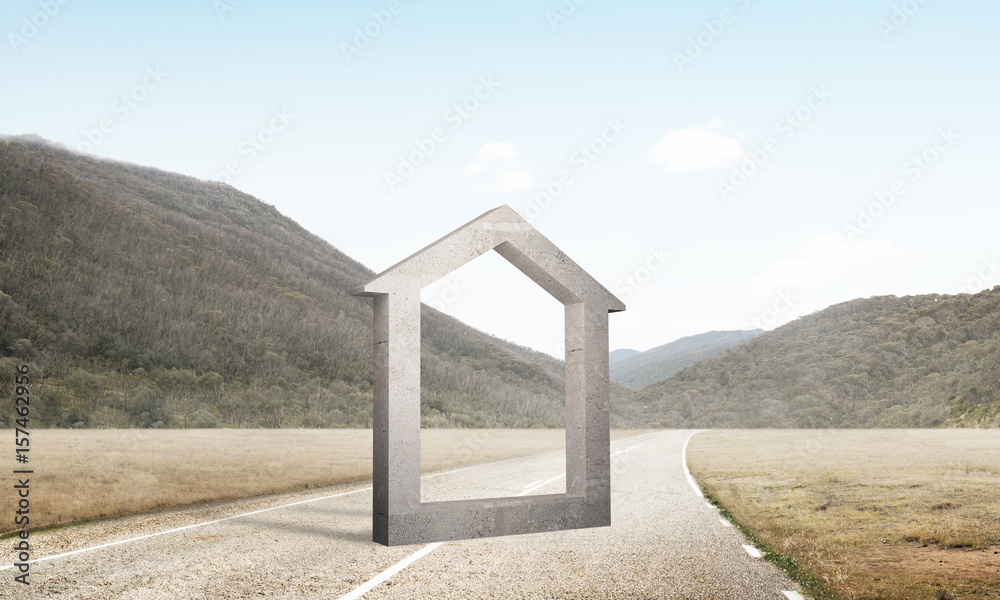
[664, 542]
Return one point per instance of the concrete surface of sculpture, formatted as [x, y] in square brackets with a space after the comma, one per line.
[399, 517]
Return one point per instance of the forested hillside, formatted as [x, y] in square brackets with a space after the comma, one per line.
[150, 299]
[915, 361]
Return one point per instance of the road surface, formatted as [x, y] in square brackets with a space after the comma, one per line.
[665, 542]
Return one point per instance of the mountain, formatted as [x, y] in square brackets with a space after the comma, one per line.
[915, 361]
[619, 355]
[639, 369]
[146, 298]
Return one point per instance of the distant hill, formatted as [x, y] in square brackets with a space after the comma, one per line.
[915, 361]
[145, 298]
[619, 355]
[639, 369]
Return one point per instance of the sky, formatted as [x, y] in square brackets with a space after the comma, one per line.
[717, 165]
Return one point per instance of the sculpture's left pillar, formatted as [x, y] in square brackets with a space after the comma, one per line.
[396, 413]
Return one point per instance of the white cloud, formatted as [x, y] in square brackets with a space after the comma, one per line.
[498, 151]
[696, 149]
[822, 258]
[513, 181]
[498, 169]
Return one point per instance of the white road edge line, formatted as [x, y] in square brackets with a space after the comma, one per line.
[175, 530]
[751, 550]
[256, 512]
[687, 471]
[409, 560]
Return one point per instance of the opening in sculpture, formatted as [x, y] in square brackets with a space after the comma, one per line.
[399, 517]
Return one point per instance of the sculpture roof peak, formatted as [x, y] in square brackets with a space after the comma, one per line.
[504, 230]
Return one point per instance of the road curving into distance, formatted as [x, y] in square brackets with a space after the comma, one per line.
[665, 542]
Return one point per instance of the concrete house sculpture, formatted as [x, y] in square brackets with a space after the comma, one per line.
[398, 516]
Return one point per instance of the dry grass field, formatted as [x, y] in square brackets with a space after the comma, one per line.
[91, 474]
[871, 514]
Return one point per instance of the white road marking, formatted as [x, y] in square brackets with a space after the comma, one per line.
[687, 472]
[539, 484]
[499, 462]
[409, 560]
[423, 552]
[256, 512]
[535, 483]
[186, 527]
[396, 568]
[638, 445]
[752, 551]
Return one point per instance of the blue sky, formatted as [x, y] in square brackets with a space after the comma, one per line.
[834, 100]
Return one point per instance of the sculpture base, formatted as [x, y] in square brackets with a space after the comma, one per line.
[467, 519]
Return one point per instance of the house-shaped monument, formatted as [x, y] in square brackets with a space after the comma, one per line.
[399, 517]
